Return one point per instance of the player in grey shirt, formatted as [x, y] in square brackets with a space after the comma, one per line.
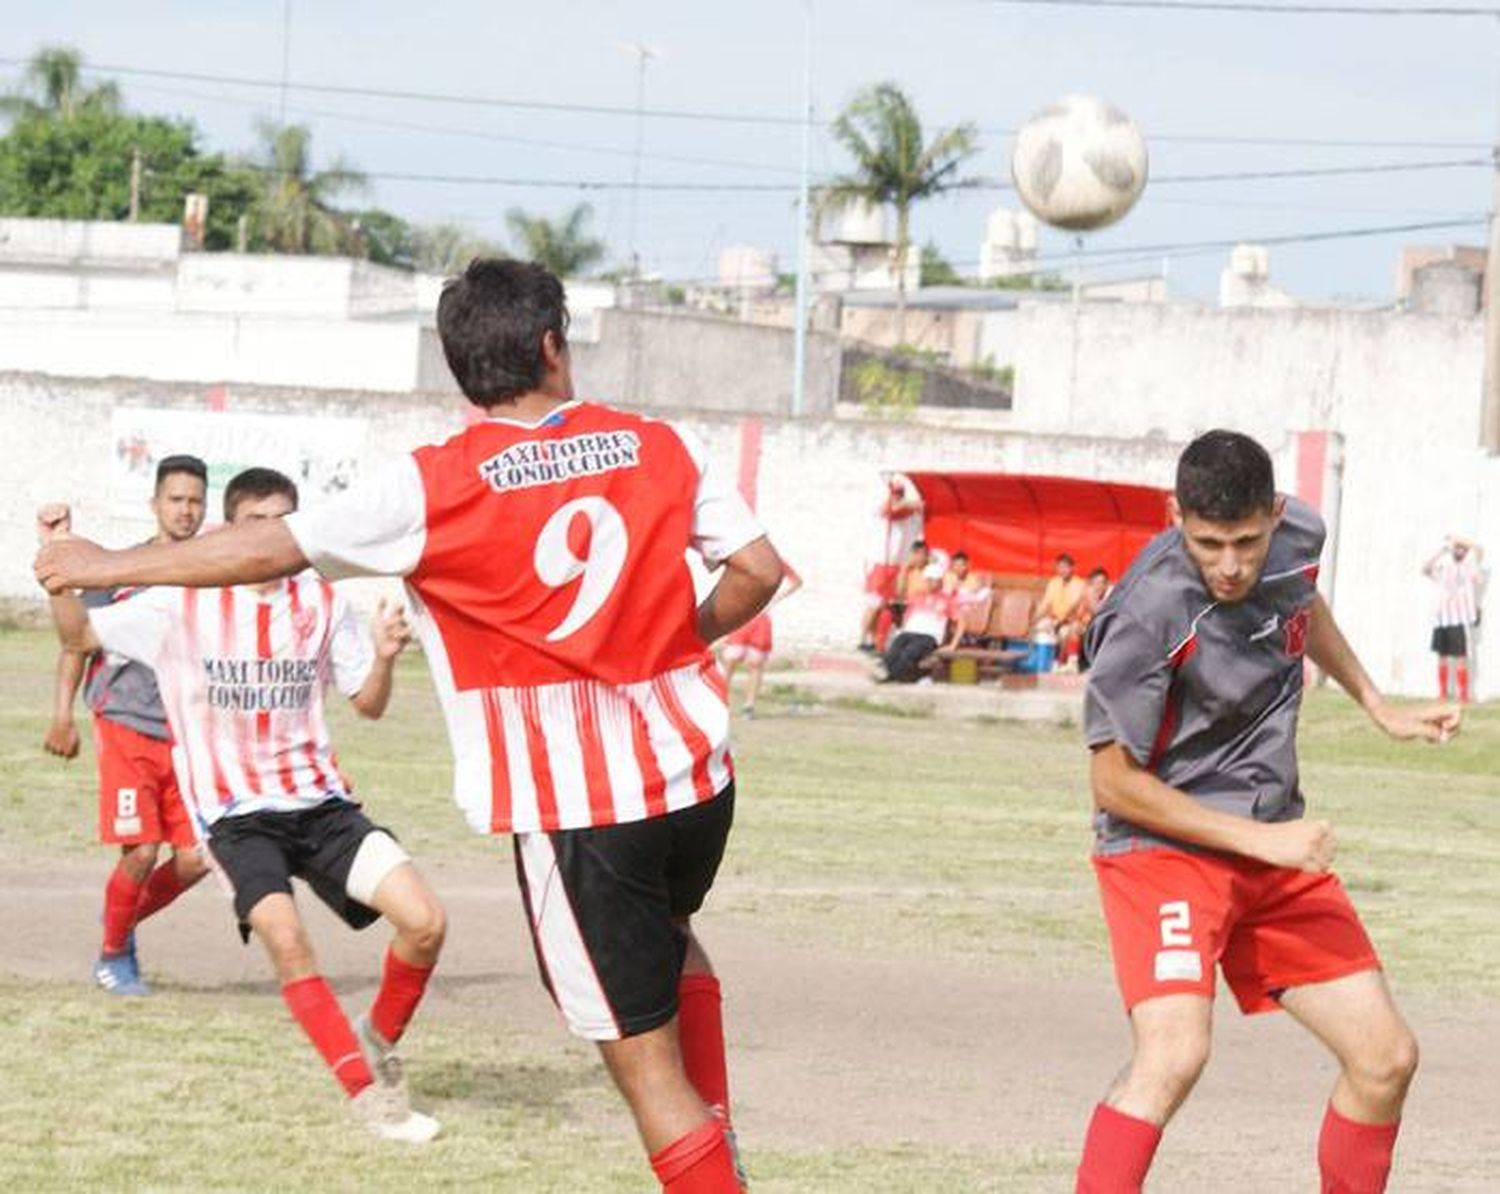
[1203, 856]
[140, 808]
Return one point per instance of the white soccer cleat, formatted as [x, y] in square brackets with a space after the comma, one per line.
[387, 1113]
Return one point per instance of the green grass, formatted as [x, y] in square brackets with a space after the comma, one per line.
[906, 837]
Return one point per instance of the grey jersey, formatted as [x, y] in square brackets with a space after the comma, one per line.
[120, 689]
[1205, 694]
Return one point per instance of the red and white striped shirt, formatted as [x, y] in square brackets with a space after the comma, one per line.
[1458, 583]
[546, 565]
[242, 676]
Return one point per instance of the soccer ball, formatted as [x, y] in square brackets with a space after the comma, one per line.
[1079, 164]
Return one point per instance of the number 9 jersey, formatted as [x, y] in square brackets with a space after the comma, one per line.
[546, 566]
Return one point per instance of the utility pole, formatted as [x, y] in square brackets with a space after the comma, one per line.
[1489, 407]
[286, 55]
[643, 54]
[135, 185]
[799, 334]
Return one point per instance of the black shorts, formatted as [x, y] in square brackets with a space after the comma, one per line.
[1450, 640]
[601, 905]
[260, 853]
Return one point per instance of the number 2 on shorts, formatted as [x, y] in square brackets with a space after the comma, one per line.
[1176, 924]
[600, 566]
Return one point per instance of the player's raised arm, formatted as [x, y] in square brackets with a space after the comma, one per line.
[1330, 650]
[248, 554]
[390, 633]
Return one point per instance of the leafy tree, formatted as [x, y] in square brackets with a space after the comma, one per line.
[883, 134]
[385, 238]
[79, 169]
[937, 270]
[54, 79]
[295, 212]
[447, 248]
[562, 246]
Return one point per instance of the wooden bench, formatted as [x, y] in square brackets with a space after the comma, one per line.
[1008, 616]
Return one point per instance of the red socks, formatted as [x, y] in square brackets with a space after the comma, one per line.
[1442, 677]
[1354, 1158]
[700, 1027]
[401, 990]
[1117, 1153]
[122, 895]
[698, 1163]
[312, 1002]
[160, 889]
[1463, 683]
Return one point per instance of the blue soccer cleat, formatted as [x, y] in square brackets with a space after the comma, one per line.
[120, 974]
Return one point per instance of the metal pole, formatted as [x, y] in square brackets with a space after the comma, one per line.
[643, 56]
[1489, 405]
[799, 332]
[286, 53]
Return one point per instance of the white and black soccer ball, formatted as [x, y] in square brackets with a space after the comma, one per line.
[1079, 164]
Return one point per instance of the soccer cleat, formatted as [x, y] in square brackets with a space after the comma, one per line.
[385, 1063]
[118, 974]
[387, 1113]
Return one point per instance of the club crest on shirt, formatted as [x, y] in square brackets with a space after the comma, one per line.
[304, 622]
[1296, 633]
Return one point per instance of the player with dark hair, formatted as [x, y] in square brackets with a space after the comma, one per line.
[242, 673]
[140, 807]
[1203, 857]
[544, 551]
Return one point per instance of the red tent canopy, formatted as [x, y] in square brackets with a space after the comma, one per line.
[1020, 524]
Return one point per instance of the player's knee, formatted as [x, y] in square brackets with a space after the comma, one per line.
[1387, 1066]
[430, 927]
[1173, 1063]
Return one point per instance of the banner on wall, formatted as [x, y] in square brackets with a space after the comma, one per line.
[321, 453]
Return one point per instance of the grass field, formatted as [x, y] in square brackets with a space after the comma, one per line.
[861, 834]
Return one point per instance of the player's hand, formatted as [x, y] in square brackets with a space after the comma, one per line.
[61, 740]
[66, 562]
[53, 521]
[1427, 723]
[1301, 845]
[389, 629]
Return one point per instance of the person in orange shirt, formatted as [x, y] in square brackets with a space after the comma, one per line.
[1064, 594]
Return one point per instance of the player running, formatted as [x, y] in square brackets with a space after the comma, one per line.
[140, 807]
[242, 672]
[1203, 856]
[544, 551]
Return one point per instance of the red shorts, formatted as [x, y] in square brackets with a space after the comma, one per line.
[751, 641]
[880, 583]
[138, 796]
[1173, 915]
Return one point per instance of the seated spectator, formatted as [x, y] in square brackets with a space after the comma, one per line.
[910, 583]
[1058, 609]
[1093, 597]
[973, 599]
[922, 629]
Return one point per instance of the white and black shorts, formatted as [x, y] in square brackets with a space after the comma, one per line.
[602, 904]
[333, 847]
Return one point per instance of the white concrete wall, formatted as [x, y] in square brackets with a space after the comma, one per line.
[257, 350]
[1402, 389]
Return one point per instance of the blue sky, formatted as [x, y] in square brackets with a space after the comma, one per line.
[1200, 85]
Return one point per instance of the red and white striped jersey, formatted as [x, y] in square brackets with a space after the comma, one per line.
[242, 676]
[1458, 584]
[547, 570]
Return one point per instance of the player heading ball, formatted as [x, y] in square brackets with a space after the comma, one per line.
[1203, 856]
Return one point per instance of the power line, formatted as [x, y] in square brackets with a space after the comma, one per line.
[745, 117]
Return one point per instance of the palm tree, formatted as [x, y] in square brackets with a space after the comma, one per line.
[561, 246]
[448, 248]
[54, 76]
[883, 134]
[296, 212]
